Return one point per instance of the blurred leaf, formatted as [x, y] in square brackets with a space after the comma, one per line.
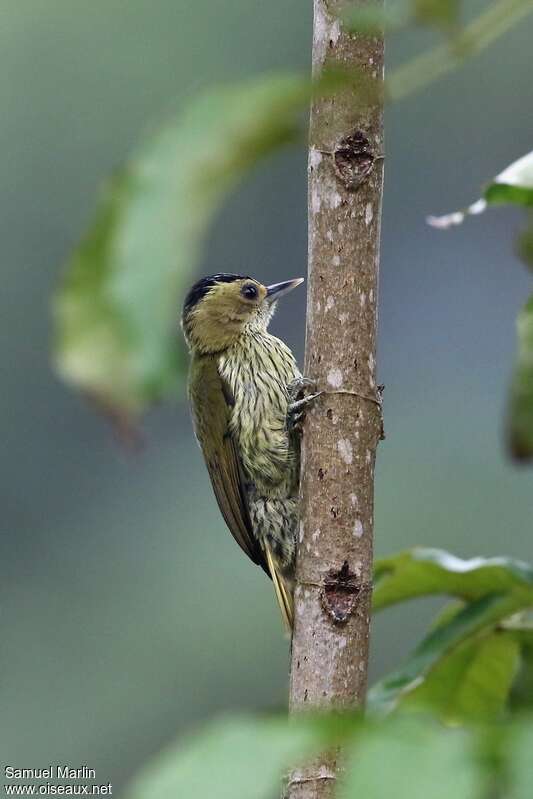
[519, 766]
[473, 682]
[464, 667]
[232, 759]
[520, 416]
[411, 759]
[373, 18]
[422, 571]
[479, 615]
[442, 14]
[447, 613]
[117, 309]
[431, 65]
[525, 243]
[522, 692]
[513, 186]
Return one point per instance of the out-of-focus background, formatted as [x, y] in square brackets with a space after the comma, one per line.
[127, 613]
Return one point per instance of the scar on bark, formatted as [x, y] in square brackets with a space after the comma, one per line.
[354, 159]
[340, 593]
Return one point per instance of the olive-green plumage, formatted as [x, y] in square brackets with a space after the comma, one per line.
[239, 389]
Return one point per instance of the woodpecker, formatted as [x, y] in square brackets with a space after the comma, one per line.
[243, 390]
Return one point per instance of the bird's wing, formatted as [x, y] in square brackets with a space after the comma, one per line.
[211, 403]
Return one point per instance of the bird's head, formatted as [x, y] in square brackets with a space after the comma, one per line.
[219, 308]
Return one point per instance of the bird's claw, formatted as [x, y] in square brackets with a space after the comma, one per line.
[297, 387]
[299, 401]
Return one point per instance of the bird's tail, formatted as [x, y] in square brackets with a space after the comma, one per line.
[283, 592]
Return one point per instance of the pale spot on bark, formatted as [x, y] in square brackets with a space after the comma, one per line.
[343, 318]
[371, 362]
[335, 378]
[330, 302]
[322, 28]
[340, 228]
[315, 157]
[301, 536]
[316, 534]
[362, 299]
[371, 295]
[316, 202]
[335, 31]
[358, 528]
[354, 500]
[333, 199]
[369, 214]
[345, 449]
[329, 235]
[343, 642]
[368, 456]
[336, 260]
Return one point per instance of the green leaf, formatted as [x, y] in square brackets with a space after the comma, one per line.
[421, 571]
[525, 243]
[117, 309]
[411, 759]
[513, 186]
[520, 415]
[477, 616]
[373, 18]
[443, 14]
[522, 691]
[520, 761]
[232, 759]
[473, 682]
[463, 666]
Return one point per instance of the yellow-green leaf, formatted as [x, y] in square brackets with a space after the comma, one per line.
[117, 309]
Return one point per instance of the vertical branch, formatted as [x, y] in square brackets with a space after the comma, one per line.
[334, 567]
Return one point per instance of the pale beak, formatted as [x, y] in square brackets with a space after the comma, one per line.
[278, 290]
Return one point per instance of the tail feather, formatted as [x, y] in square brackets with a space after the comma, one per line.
[283, 595]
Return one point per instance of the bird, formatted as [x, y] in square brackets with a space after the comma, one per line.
[243, 388]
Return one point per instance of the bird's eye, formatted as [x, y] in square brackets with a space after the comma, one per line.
[249, 291]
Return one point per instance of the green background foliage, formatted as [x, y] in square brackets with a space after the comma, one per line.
[116, 310]
[127, 613]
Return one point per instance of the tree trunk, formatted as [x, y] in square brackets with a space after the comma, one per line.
[343, 427]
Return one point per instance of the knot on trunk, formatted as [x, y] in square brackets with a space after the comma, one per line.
[354, 159]
[340, 593]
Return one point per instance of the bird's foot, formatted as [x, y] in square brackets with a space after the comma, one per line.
[299, 401]
[298, 386]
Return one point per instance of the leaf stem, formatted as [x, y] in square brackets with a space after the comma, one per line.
[418, 73]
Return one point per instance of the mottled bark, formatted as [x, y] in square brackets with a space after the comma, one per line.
[341, 432]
